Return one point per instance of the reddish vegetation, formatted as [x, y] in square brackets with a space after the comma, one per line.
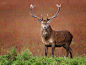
[19, 29]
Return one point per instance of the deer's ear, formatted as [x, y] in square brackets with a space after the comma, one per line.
[49, 20]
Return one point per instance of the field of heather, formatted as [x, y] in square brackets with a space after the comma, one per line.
[18, 29]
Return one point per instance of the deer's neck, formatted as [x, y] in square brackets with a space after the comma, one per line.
[46, 33]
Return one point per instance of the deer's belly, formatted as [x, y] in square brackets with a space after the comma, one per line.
[59, 44]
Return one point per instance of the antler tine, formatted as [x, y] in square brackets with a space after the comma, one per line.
[57, 11]
[47, 16]
[32, 14]
[41, 16]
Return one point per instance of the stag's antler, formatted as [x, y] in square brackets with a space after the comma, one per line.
[56, 13]
[32, 14]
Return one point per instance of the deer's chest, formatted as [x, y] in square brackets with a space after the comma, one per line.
[47, 42]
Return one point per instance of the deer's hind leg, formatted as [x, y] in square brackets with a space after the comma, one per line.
[68, 50]
[66, 46]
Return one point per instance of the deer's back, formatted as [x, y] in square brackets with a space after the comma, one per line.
[62, 36]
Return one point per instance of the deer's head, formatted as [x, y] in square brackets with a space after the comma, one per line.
[44, 23]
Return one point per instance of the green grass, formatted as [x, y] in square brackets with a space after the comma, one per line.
[26, 58]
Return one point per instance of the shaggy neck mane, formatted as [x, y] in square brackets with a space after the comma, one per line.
[46, 33]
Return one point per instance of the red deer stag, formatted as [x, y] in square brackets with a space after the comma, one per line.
[52, 38]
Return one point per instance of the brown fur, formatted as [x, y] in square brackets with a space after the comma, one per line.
[56, 39]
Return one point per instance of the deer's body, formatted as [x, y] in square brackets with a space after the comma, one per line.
[59, 38]
[52, 38]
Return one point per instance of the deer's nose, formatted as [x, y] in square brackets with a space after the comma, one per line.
[45, 27]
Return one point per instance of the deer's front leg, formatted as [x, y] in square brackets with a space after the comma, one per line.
[46, 50]
[53, 48]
